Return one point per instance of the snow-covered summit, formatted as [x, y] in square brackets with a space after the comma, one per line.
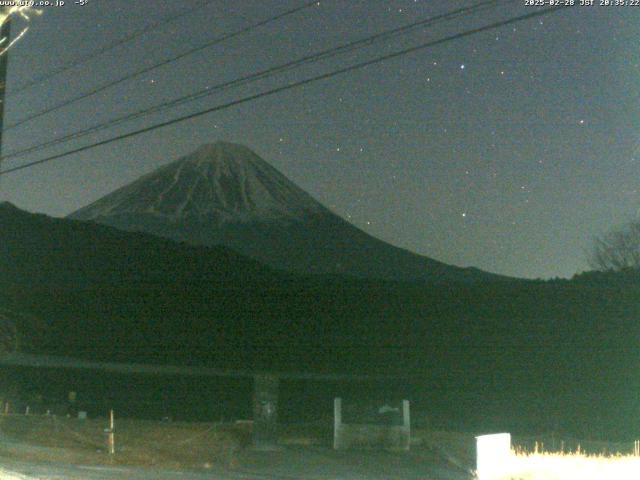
[224, 182]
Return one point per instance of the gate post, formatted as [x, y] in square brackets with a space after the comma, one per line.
[406, 426]
[337, 423]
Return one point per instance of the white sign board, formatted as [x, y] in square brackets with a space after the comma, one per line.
[493, 456]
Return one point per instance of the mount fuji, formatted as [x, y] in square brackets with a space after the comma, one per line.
[225, 194]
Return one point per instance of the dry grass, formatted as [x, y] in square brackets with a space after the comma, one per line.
[459, 450]
[567, 466]
[144, 443]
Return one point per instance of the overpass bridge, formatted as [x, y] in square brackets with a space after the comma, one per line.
[265, 383]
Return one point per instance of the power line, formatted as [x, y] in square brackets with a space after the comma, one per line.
[100, 51]
[263, 74]
[290, 86]
[138, 73]
[210, 90]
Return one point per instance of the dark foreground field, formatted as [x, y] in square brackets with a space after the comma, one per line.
[49, 447]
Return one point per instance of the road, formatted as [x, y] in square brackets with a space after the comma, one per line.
[289, 464]
[13, 470]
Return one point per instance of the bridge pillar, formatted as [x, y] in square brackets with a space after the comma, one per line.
[265, 412]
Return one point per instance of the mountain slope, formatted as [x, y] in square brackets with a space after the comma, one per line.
[224, 194]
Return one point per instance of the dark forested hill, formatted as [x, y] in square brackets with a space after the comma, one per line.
[558, 354]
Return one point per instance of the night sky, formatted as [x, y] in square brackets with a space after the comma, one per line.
[507, 150]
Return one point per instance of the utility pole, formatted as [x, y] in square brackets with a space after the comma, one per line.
[5, 32]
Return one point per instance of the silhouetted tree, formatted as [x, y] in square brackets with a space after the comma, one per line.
[617, 250]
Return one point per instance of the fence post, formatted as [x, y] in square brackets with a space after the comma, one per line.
[111, 440]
